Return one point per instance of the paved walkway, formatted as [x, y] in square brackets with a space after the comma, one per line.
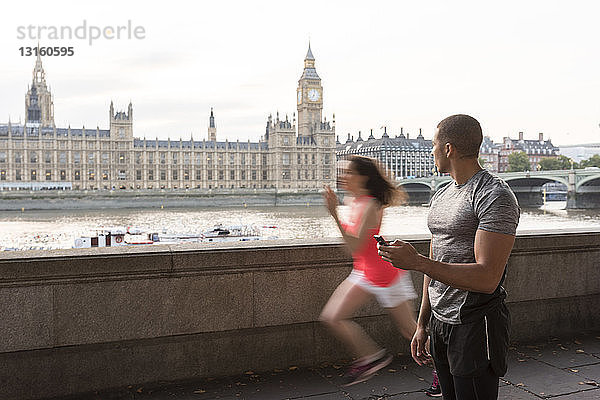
[562, 369]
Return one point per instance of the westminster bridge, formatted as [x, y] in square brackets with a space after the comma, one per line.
[583, 186]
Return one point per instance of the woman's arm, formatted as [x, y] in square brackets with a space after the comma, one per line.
[371, 218]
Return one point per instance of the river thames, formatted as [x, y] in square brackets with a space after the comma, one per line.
[53, 229]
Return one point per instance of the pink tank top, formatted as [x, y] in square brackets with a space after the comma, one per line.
[366, 259]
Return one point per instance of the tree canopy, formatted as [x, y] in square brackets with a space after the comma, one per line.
[518, 162]
[593, 161]
[555, 163]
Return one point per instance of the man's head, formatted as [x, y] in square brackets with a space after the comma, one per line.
[458, 136]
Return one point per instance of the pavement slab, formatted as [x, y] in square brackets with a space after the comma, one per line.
[540, 378]
[593, 394]
[409, 396]
[509, 392]
[285, 384]
[547, 370]
[560, 354]
[396, 378]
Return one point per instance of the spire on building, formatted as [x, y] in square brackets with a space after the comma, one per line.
[309, 54]
[309, 66]
[39, 75]
[212, 127]
[371, 135]
[212, 119]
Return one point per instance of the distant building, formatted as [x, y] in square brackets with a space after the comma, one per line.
[401, 156]
[489, 154]
[404, 158]
[39, 155]
[536, 150]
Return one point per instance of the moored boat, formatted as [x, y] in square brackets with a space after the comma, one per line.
[110, 237]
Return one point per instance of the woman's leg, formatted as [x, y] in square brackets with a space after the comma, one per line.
[404, 317]
[343, 303]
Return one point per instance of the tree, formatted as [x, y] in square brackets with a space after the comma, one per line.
[518, 162]
[554, 163]
[593, 161]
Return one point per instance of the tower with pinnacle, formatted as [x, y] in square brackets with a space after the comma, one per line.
[212, 127]
[309, 97]
[39, 106]
[302, 149]
[121, 123]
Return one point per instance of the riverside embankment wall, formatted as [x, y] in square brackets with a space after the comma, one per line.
[93, 200]
[86, 319]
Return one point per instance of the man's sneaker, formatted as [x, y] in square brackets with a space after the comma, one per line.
[435, 390]
[360, 373]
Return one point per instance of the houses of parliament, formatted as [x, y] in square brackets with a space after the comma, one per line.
[296, 154]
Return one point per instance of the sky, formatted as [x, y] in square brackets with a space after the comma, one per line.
[530, 66]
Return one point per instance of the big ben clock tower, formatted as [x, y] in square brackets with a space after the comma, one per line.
[310, 98]
[302, 151]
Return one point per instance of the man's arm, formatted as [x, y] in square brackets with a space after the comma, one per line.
[491, 254]
[418, 345]
[425, 310]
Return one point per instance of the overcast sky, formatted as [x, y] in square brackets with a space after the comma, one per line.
[529, 66]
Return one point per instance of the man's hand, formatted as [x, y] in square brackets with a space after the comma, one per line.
[419, 345]
[400, 254]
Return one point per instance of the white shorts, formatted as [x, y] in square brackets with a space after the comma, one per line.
[390, 296]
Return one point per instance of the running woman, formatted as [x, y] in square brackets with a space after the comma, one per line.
[371, 276]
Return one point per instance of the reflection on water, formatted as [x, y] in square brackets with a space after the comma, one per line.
[57, 229]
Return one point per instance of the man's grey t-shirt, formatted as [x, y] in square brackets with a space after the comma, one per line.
[456, 212]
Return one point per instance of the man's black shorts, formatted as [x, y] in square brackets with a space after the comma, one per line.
[468, 349]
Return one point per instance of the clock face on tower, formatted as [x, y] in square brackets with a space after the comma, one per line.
[299, 96]
[313, 95]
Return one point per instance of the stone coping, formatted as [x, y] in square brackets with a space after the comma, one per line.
[47, 267]
[146, 250]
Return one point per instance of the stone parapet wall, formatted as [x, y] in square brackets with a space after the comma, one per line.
[92, 200]
[87, 319]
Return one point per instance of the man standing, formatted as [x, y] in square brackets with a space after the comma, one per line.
[473, 221]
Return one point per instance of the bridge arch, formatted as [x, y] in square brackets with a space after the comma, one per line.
[528, 189]
[538, 180]
[414, 185]
[585, 181]
[418, 192]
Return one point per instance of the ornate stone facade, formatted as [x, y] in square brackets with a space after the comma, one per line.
[401, 156]
[38, 155]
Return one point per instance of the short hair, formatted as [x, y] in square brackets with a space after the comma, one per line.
[464, 132]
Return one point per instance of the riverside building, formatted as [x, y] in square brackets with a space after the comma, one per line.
[495, 155]
[291, 155]
[401, 156]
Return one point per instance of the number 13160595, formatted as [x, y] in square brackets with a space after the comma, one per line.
[47, 51]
